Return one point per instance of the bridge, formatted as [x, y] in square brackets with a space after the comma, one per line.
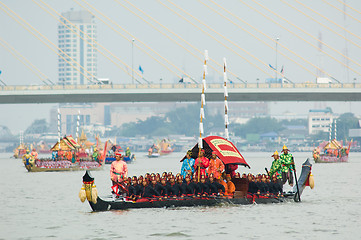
[181, 92]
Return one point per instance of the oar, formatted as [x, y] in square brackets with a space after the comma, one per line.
[298, 191]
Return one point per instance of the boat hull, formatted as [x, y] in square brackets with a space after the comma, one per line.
[243, 199]
[106, 205]
[71, 167]
[37, 169]
[330, 159]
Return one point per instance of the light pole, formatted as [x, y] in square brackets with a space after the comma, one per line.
[133, 61]
[277, 39]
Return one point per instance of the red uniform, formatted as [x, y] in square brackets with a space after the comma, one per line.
[204, 163]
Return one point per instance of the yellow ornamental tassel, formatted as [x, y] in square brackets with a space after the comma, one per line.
[82, 194]
[94, 194]
[32, 161]
[88, 191]
[311, 181]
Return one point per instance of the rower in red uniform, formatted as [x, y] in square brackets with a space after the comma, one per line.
[201, 164]
[172, 189]
[134, 189]
[194, 186]
[215, 188]
[203, 186]
[162, 187]
[181, 186]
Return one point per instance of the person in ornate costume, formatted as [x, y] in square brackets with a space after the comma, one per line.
[127, 152]
[188, 165]
[215, 166]
[287, 166]
[118, 169]
[276, 167]
[201, 164]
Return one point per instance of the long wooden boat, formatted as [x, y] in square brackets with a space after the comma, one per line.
[228, 154]
[241, 197]
[47, 165]
[332, 152]
[330, 159]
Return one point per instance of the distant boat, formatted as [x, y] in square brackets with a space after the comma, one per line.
[67, 155]
[20, 151]
[331, 152]
[161, 148]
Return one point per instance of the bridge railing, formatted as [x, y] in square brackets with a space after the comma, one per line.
[178, 86]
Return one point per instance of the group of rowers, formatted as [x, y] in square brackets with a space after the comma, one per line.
[201, 177]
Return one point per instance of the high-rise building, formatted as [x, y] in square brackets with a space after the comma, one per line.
[76, 38]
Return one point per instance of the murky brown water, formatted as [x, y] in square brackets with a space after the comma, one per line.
[46, 205]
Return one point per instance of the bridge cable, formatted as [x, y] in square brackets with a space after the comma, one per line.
[88, 39]
[150, 24]
[220, 42]
[352, 9]
[295, 33]
[24, 61]
[270, 38]
[326, 18]
[138, 40]
[27, 28]
[324, 42]
[329, 27]
[175, 34]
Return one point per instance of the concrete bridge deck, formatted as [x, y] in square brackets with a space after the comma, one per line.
[178, 93]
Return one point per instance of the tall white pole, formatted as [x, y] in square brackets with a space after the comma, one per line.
[21, 138]
[77, 127]
[226, 121]
[277, 39]
[203, 102]
[336, 129]
[330, 132]
[133, 61]
[59, 133]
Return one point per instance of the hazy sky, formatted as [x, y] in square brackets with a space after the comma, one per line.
[247, 40]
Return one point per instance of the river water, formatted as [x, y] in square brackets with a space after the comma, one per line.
[46, 205]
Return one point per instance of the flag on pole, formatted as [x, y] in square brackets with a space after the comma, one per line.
[141, 69]
[271, 66]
